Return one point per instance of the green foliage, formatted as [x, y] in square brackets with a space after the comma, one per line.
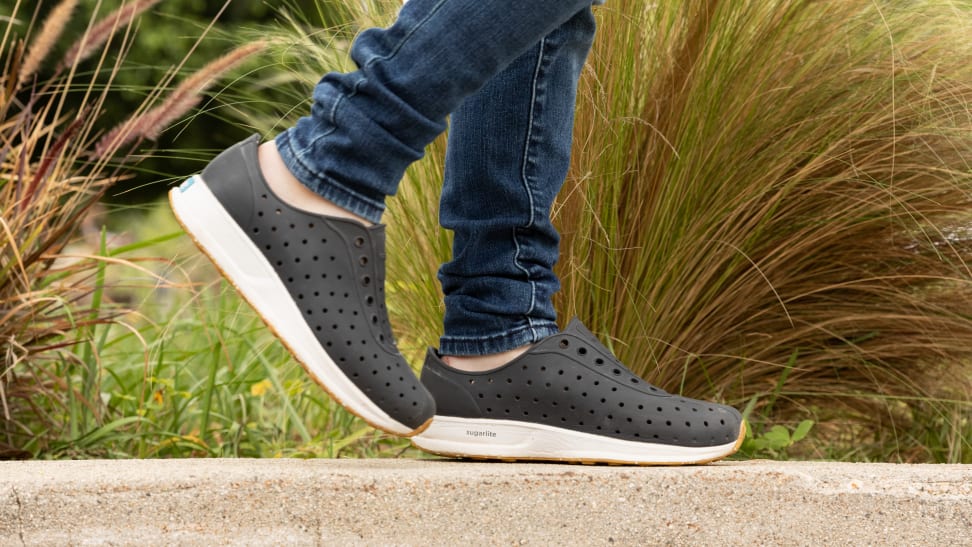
[195, 373]
[773, 443]
[57, 315]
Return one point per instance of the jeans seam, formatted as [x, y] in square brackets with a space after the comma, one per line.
[526, 179]
[497, 343]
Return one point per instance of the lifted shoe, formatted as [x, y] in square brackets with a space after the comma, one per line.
[317, 282]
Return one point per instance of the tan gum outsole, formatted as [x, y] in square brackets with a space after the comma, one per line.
[272, 329]
[735, 448]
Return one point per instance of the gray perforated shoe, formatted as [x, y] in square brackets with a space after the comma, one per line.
[569, 399]
[317, 281]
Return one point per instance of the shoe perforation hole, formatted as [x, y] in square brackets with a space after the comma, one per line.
[688, 424]
[359, 242]
[564, 344]
[598, 361]
[363, 261]
[616, 372]
[278, 211]
[705, 423]
[668, 423]
[264, 196]
[582, 351]
[635, 381]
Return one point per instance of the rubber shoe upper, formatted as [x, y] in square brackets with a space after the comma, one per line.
[571, 381]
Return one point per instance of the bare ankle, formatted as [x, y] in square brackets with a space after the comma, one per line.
[292, 191]
[484, 363]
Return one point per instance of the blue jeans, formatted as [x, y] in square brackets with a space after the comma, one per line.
[506, 71]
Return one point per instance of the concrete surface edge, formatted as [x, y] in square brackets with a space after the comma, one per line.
[380, 502]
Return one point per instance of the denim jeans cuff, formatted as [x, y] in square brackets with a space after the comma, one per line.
[339, 195]
[497, 343]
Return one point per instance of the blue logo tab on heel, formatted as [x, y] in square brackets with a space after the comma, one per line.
[185, 185]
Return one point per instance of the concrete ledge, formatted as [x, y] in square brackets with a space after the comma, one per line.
[319, 502]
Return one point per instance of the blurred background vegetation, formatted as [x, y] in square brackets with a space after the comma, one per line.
[159, 45]
[769, 206]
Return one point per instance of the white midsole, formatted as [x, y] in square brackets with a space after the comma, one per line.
[476, 437]
[213, 229]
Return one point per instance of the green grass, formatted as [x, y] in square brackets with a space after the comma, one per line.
[194, 372]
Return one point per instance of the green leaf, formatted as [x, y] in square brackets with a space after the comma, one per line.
[778, 437]
[802, 430]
